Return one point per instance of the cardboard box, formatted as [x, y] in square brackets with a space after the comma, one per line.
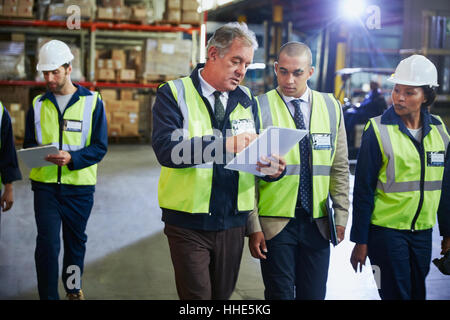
[112, 105]
[108, 94]
[112, 3]
[173, 15]
[173, 4]
[10, 3]
[9, 11]
[190, 5]
[105, 13]
[127, 94]
[108, 117]
[119, 59]
[114, 130]
[130, 106]
[106, 74]
[23, 3]
[138, 13]
[190, 17]
[120, 117]
[133, 117]
[127, 75]
[122, 13]
[130, 129]
[18, 123]
[14, 107]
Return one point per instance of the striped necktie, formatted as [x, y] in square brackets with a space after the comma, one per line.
[219, 110]
[305, 189]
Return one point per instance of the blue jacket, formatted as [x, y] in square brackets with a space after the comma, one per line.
[9, 167]
[366, 177]
[223, 204]
[82, 158]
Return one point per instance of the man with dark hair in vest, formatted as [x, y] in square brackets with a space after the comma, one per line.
[197, 121]
[290, 237]
[72, 118]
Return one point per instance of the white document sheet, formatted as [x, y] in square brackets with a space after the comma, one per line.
[273, 140]
[35, 157]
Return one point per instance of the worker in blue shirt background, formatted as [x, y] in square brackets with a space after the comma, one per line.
[72, 118]
[402, 179]
[9, 167]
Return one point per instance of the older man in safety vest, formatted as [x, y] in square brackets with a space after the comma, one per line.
[205, 206]
[72, 118]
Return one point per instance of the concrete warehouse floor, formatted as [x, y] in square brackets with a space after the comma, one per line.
[127, 253]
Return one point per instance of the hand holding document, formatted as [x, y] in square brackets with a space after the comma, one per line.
[35, 157]
[273, 140]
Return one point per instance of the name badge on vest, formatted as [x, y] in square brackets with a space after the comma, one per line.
[436, 159]
[72, 125]
[242, 125]
[321, 141]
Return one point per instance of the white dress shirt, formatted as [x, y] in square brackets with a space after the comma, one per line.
[305, 105]
[208, 92]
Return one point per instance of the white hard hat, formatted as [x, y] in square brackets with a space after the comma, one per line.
[53, 55]
[415, 70]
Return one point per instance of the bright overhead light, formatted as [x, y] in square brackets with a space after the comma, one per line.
[351, 8]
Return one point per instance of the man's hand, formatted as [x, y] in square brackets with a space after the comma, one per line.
[340, 232]
[7, 199]
[236, 144]
[257, 245]
[359, 255]
[272, 168]
[445, 245]
[63, 158]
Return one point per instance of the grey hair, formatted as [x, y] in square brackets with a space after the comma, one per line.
[296, 49]
[224, 36]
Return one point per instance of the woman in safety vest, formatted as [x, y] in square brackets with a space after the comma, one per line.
[402, 178]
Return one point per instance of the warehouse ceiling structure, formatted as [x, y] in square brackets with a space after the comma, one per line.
[344, 33]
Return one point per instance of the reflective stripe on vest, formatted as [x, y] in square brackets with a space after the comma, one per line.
[48, 131]
[398, 191]
[279, 198]
[189, 189]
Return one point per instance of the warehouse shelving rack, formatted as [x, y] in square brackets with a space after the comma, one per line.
[98, 32]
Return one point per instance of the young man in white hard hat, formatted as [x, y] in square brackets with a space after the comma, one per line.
[402, 179]
[73, 119]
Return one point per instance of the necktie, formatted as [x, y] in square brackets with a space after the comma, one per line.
[219, 111]
[305, 189]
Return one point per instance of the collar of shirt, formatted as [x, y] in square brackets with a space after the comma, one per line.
[304, 105]
[208, 92]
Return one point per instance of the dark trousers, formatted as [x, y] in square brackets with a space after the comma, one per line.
[297, 262]
[403, 259]
[52, 211]
[206, 263]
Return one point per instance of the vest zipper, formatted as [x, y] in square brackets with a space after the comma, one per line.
[422, 183]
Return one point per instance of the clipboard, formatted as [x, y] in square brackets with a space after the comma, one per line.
[273, 140]
[331, 222]
[35, 157]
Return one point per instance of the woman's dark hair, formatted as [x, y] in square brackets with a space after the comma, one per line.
[430, 96]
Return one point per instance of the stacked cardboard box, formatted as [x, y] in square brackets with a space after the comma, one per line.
[59, 11]
[189, 13]
[122, 112]
[118, 65]
[167, 57]
[173, 11]
[17, 115]
[17, 8]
